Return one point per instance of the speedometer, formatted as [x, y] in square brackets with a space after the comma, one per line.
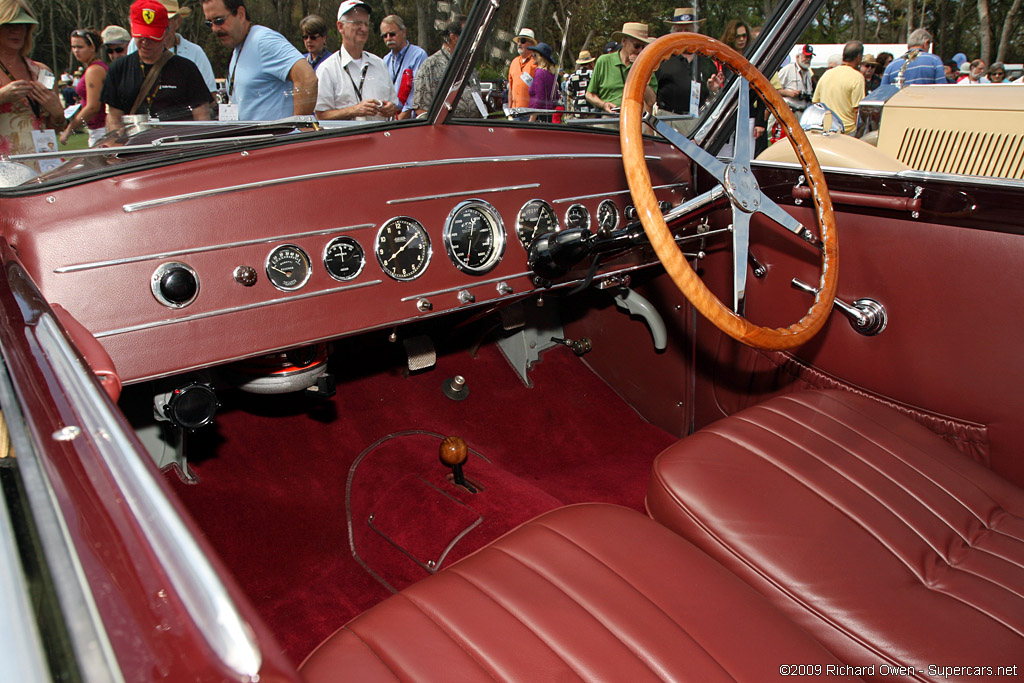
[536, 218]
[474, 236]
[403, 248]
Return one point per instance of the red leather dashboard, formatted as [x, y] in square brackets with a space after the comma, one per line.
[94, 248]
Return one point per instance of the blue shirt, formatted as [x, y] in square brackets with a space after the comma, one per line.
[408, 58]
[258, 76]
[925, 70]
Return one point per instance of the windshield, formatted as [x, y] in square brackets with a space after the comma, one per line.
[515, 64]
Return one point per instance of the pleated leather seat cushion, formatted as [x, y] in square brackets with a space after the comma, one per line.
[587, 592]
[881, 539]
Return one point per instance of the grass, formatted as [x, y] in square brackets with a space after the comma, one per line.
[76, 141]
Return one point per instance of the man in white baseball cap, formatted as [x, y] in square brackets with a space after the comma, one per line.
[354, 84]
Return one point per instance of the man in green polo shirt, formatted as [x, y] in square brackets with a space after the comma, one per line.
[610, 71]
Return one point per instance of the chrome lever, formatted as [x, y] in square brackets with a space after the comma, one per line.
[867, 316]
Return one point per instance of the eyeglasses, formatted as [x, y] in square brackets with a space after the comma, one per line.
[313, 36]
[389, 34]
[998, 73]
[219, 21]
[741, 35]
[359, 23]
[116, 49]
[522, 41]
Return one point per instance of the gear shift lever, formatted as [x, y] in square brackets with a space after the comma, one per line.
[453, 453]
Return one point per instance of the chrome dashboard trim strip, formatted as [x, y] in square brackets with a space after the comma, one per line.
[195, 580]
[491, 281]
[153, 203]
[465, 193]
[215, 247]
[233, 309]
[565, 200]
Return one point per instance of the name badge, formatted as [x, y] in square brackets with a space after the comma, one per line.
[694, 98]
[527, 78]
[227, 112]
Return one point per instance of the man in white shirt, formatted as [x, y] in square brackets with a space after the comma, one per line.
[179, 45]
[354, 84]
[795, 80]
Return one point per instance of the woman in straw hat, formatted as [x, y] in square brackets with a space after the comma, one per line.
[28, 101]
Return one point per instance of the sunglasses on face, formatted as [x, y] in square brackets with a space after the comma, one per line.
[998, 73]
[219, 21]
[313, 36]
[741, 36]
[115, 49]
[522, 41]
[389, 34]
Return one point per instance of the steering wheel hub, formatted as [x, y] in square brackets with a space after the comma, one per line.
[742, 189]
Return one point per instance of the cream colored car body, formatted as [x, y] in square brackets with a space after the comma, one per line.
[970, 130]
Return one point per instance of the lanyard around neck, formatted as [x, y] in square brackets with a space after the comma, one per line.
[398, 61]
[238, 58]
[362, 79]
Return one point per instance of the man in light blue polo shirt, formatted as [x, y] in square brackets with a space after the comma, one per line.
[925, 69]
[268, 78]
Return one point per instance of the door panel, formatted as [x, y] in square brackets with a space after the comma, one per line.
[947, 280]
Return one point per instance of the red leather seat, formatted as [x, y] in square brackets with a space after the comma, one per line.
[881, 539]
[588, 592]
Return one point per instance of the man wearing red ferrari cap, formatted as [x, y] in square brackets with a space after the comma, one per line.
[152, 80]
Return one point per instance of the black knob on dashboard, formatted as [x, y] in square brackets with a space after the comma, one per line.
[175, 284]
[178, 285]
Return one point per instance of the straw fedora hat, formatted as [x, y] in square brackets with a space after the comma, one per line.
[585, 57]
[633, 29]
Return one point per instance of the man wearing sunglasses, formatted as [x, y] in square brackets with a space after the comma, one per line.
[115, 42]
[521, 70]
[181, 46]
[268, 79]
[403, 61]
[152, 80]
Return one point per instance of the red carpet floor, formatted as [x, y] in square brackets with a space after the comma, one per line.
[273, 472]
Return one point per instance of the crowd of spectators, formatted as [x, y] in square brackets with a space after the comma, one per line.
[151, 69]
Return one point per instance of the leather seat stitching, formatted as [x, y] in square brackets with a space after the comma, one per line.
[770, 579]
[374, 652]
[561, 586]
[880, 540]
[444, 629]
[987, 526]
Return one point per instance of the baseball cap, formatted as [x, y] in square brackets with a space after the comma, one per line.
[808, 51]
[350, 5]
[149, 19]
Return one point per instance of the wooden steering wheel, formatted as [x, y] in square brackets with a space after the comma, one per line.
[737, 182]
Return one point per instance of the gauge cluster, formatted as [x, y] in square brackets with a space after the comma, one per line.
[474, 237]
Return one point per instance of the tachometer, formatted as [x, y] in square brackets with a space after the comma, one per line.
[288, 267]
[344, 258]
[607, 215]
[474, 236]
[403, 248]
[535, 219]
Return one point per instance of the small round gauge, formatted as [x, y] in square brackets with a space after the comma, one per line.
[665, 206]
[403, 248]
[607, 215]
[630, 212]
[577, 216]
[536, 218]
[288, 267]
[474, 236]
[344, 258]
